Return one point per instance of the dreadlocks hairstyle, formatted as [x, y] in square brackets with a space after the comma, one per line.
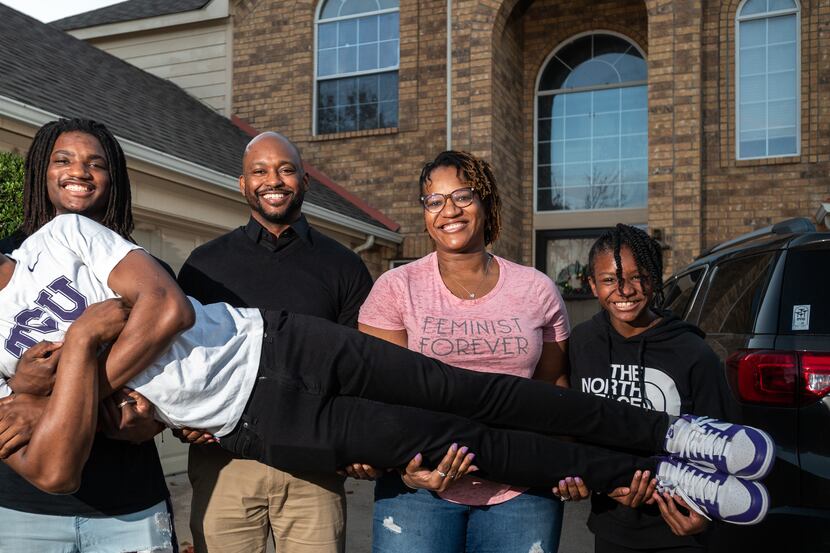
[647, 254]
[478, 174]
[38, 210]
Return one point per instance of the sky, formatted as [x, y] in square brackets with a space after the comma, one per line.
[50, 10]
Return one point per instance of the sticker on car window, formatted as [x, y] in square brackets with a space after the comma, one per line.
[801, 317]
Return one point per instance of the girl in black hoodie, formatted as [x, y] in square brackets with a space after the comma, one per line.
[633, 352]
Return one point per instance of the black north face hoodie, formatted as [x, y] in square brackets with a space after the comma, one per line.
[666, 368]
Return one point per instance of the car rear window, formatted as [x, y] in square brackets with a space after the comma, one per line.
[735, 294]
[805, 297]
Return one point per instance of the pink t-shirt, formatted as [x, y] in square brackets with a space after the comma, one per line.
[500, 332]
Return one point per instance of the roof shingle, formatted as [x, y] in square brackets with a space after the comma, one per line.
[127, 11]
[51, 70]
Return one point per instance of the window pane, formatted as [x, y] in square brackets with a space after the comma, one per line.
[782, 114]
[557, 152]
[346, 91]
[632, 68]
[327, 94]
[578, 198]
[578, 150]
[327, 120]
[753, 60]
[388, 26]
[634, 146]
[327, 62]
[781, 29]
[388, 53]
[606, 172]
[634, 171]
[634, 97]
[367, 89]
[347, 59]
[783, 145]
[367, 29]
[347, 32]
[554, 75]
[753, 144]
[753, 33]
[557, 175]
[753, 89]
[592, 73]
[734, 295]
[330, 9]
[387, 114]
[634, 195]
[634, 121]
[577, 103]
[606, 148]
[354, 7]
[543, 130]
[327, 35]
[368, 116]
[782, 57]
[753, 116]
[775, 5]
[387, 4]
[809, 268]
[607, 124]
[782, 87]
[576, 174]
[347, 118]
[367, 57]
[607, 100]
[754, 6]
[388, 87]
[577, 127]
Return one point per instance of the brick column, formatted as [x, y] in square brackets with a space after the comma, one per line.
[676, 126]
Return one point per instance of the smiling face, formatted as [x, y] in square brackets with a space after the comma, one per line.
[628, 302]
[273, 181]
[77, 178]
[454, 229]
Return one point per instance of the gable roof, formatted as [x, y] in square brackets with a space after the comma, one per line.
[127, 11]
[57, 73]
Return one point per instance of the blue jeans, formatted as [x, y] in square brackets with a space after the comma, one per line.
[421, 522]
[148, 530]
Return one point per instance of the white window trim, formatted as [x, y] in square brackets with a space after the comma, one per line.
[317, 79]
[537, 95]
[765, 15]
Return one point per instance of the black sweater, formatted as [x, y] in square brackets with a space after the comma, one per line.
[679, 373]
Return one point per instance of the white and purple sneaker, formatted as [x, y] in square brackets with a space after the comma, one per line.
[736, 449]
[713, 494]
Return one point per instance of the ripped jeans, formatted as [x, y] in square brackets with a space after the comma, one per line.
[149, 530]
[421, 522]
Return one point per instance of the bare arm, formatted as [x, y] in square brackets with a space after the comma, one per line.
[397, 337]
[160, 311]
[60, 443]
[553, 364]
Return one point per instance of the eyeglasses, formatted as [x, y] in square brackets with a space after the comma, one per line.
[461, 197]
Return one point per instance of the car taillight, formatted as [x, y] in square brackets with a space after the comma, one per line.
[780, 378]
[815, 374]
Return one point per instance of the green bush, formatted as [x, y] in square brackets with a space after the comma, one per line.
[11, 193]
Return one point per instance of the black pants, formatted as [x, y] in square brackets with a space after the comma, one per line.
[327, 396]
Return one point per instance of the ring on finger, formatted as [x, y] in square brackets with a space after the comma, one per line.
[441, 474]
[563, 498]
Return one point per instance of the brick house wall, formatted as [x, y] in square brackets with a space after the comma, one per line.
[698, 193]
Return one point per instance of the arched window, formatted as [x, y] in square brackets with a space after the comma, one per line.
[592, 126]
[357, 65]
[767, 78]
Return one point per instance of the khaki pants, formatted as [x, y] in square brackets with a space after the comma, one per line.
[236, 502]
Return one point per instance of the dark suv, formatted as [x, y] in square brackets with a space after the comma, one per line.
[763, 300]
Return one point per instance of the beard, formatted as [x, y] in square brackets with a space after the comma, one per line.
[285, 215]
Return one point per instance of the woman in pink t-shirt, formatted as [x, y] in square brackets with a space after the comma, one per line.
[472, 309]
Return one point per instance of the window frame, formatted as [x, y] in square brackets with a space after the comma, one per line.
[537, 95]
[766, 15]
[317, 79]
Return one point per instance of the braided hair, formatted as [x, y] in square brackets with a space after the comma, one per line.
[478, 174]
[647, 254]
[38, 209]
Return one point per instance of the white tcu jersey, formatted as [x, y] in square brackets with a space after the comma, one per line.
[202, 381]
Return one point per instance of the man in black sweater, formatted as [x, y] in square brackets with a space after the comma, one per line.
[276, 261]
